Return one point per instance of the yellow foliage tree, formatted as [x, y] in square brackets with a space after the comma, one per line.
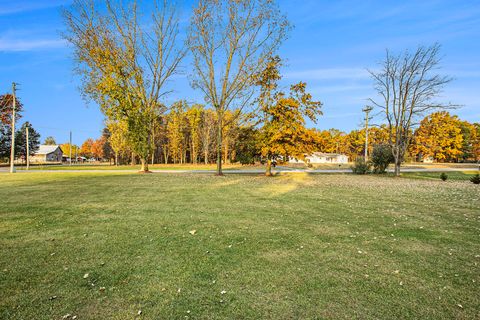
[439, 136]
[118, 138]
[283, 117]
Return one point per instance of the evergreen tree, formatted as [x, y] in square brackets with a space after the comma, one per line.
[21, 141]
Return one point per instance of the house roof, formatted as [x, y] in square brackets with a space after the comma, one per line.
[46, 149]
[323, 154]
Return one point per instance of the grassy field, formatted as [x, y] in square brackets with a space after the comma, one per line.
[235, 166]
[108, 245]
[451, 175]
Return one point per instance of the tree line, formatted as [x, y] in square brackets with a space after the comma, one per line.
[187, 135]
[126, 60]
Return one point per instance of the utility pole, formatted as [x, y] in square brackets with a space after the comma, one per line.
[28, 146]
[12, 147]
[70, 147]
[367, 110]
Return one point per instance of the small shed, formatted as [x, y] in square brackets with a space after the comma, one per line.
[47, 153]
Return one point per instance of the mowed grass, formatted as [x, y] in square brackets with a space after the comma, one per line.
[290, 247]
[451, 175]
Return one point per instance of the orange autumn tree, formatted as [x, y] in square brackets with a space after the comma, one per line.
[331, 141]
[471, 141]
[283, 133]
[439, 136]
[97, 148]
[86, 148]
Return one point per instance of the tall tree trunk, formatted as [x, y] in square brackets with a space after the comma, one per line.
[397, 168]
[134, 160]
[144, 167]
[194, 154]
[116, 159]
[205, 155]
[219, 146]
[153, 158]
[268, 172]
[398, 162]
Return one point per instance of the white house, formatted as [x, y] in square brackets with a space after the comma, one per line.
[47, 153]
[321, 157]
[428, 159]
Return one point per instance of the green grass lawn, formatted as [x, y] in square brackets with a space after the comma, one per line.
[451, 175]
[106, 245]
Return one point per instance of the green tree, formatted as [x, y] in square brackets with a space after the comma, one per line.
[125, 63]
[247, 145]
[21, 141]
[5, 141]
[107, 147]
[50, 141]
[381, 157]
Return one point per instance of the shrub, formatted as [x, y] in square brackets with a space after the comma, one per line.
[443, 176]
[361, 166]
[381, 157]
[245, 159]
[475, 179]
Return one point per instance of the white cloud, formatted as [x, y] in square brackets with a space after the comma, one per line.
[12, 6]
[9, 44]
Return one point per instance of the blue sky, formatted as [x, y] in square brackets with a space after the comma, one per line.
[331, 46]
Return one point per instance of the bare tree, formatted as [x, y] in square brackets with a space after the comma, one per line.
[231, 41]
[207, 133]
[125, 62]
[407, 86]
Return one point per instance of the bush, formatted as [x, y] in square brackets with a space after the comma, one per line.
[475, 179]
[443, 176]
[245, 159]
[381, 157]
[361, 166]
